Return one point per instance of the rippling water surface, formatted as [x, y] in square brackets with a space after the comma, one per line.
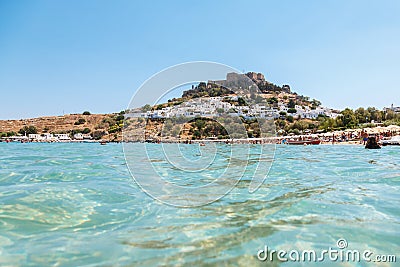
[77, 205]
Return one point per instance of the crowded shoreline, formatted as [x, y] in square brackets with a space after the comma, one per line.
[346, 137]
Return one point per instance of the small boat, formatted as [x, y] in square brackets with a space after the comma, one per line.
[394, 141]
[303, 142]
[103, 143]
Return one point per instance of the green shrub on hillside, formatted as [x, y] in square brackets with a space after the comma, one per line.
[28, 130]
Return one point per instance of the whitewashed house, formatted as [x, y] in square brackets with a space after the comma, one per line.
[62, 137]
[47, 135]
[34, 136]
[81, 136]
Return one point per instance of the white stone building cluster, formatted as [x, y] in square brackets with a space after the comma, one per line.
[213, 106]
[48, 137]
[392, 108]
[58, 137]
[305, 112]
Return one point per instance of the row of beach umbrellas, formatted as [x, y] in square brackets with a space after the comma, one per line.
[375, 130]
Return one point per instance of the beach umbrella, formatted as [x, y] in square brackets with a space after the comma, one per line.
[370, 130]
[393, 127]
[380, 129]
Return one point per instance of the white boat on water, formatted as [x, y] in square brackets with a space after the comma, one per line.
[394, 141]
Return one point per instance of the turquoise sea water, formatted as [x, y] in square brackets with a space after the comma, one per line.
[77, 205]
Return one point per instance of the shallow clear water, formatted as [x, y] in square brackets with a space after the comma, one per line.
[77, 205]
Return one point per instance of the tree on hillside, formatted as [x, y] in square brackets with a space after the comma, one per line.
[220, 110]
[316, 103]
[120, 117]
[280, 123]
[241, 101]
[321, 117]
[86, 113]
[300, 125]
[390, 115]
[328, 124]
[98, 134]
[273, 100]
[146, 108]
[362, 115]
[199, 123]
[11, 134]
[349, 119]
[196, 134]
[375, 115]
[291, 104]
[28, 130]
[80, 121]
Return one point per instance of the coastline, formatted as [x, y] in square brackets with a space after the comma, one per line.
[193, 142]
[109, 128]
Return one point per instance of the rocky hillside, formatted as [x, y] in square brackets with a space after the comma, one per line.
[100, 126]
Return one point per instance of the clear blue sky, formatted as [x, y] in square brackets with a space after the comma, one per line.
[71, 56]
